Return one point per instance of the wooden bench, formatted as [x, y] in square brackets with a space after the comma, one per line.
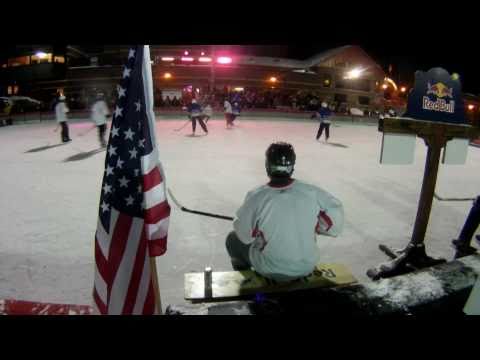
[233, 284]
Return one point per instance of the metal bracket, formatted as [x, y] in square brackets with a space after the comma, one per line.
[404, 261]
[208, 282]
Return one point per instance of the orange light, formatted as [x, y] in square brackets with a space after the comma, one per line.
[186, 58]
[204, 59]
[471, 107]
[273, 79]
[403, 89]
[167, 76]
[167, 58]
[384, 86]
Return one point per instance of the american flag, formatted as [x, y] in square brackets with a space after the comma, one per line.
[134, 213]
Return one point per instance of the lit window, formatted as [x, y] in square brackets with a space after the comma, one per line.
[15, 89]
[19, 61]
[59, 59]
[9, 90]
[41, 57]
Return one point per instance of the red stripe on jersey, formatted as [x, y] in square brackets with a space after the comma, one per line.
[276, 186]
[136, 276]
[152, 179]
[157, 213]
[325, 218]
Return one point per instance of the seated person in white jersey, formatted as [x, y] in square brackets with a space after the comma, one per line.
[275, 229]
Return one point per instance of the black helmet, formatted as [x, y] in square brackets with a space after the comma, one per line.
[280, 160]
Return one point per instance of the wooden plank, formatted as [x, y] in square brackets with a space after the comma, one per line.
[231, 284]
[425, 128]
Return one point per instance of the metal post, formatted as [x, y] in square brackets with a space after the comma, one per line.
[212, 68]
[208, 282]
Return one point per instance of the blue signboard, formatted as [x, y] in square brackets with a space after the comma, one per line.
[436, 96]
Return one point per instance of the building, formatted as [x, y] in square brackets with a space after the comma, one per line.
[345, 75]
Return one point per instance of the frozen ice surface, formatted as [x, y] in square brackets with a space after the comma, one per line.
[48, 212]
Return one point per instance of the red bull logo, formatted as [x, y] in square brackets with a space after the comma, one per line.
[441, 92]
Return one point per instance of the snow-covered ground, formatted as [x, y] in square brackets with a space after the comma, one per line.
[49, 205]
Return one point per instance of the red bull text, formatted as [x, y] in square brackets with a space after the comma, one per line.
[440, 91]
[438, 105]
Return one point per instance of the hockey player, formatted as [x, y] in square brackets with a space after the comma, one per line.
[275, 228]
[99, 115]
[235, 111]
[207, 113]
[324, 113]
[195, 114]
[61, 111]
[228, 113]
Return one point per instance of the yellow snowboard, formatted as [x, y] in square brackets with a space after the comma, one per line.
[231, 284]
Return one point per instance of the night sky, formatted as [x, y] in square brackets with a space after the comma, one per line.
[407, 38]
[408, 58]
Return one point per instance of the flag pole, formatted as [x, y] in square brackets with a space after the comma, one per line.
[147, 68]
[156, 288]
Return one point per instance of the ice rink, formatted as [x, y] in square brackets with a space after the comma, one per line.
[50, 194]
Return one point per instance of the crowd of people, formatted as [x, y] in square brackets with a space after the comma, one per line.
[268, 99]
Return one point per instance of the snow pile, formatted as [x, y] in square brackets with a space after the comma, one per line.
[409, 291]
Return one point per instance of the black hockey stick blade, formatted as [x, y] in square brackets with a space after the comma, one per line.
[183, 208]
[452, 199]
[180, 128]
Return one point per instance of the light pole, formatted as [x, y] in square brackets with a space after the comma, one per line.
[212, 68]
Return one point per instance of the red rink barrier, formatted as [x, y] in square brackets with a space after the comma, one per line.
[18, 307]
[475, 142]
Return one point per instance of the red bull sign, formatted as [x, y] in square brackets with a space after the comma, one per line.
[436, 96]
[443, 95]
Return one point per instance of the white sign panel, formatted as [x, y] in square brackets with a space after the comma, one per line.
[171, 94]
[472, 307]
[398, 149]
[455, 152]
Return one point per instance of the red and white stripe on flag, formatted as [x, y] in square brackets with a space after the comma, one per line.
[123, 274]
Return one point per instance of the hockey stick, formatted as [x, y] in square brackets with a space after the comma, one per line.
[183, 208]
[182, 126]
[86, 132]
[452, 199]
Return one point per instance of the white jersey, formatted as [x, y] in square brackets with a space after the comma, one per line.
[99, 112]
[61, 111]
[282, 223]
[207, 110]
[228, 107]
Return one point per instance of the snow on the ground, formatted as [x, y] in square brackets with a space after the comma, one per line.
[49, 206]
[414, 290]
